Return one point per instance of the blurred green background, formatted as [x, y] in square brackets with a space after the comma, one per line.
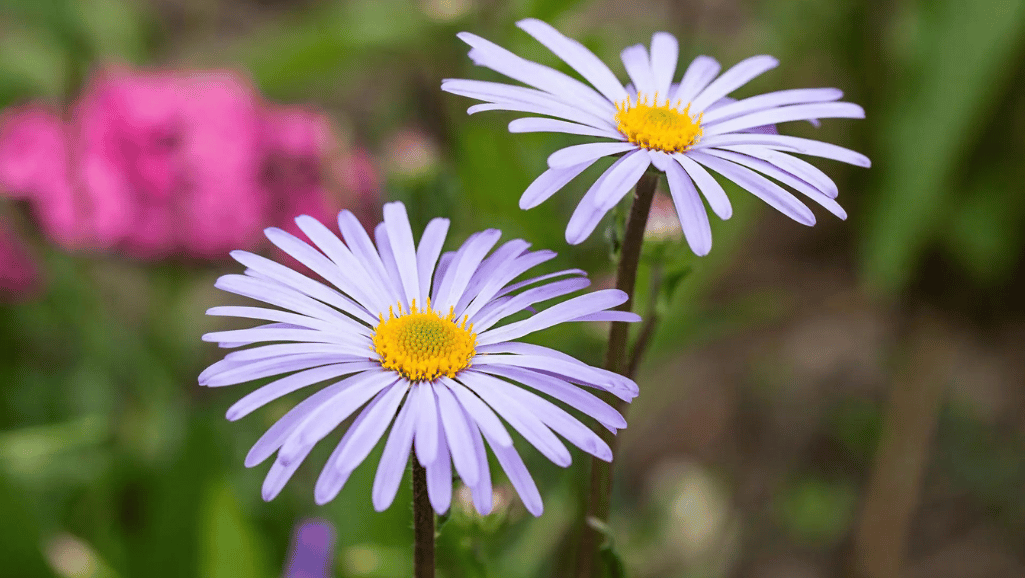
[796, 379]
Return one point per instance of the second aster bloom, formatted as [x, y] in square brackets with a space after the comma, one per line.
[682, 128]
[416, 339]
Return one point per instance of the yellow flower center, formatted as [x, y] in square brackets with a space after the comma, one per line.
[657, 126]
[422, 344]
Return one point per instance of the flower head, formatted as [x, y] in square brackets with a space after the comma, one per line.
[416, 339]
[681, 128]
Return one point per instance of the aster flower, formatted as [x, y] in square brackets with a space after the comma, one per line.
[681, 128]
[415, 338]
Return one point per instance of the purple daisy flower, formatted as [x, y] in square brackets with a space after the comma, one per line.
[683, 129]
[414, 338]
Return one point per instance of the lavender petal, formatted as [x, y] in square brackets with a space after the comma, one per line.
[737, 76]
[427, 253]
[394, 459]
[578, 154]
[577, 56]
[457, 435]
[570, 309]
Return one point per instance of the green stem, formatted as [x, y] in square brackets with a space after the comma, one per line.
[423, 525]
[588, 563]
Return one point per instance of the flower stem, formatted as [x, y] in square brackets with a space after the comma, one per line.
[423, 525]
[588, 564]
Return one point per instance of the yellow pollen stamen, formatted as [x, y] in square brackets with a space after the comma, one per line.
[423, 345]
[665, 127]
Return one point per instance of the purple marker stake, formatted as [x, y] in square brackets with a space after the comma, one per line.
[312, 552]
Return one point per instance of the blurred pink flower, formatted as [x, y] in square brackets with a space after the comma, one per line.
[19, 276]
[33, 138]
[292, 176]
[357, 178]
[165, 163]
[169, 162]
[33, 165]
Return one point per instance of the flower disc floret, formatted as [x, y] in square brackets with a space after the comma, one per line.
[657, 126]
[422, 344]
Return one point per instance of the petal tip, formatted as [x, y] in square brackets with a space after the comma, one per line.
[535, 509]
[574, 237]
[702, 250]
[380, 505]
[270, 491]
[322, 495]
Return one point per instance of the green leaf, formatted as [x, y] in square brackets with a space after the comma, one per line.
[32, 451]
[114, 28]
[494, 175]
[170, 506]
[19, 535]
[533, 550]
[856, 424]
[229, 544]
[932, 121]
[611, 561]
[987, 230]
[614, 566]
[33, 58]
[672, 276]
[815, 511]
[285, 57]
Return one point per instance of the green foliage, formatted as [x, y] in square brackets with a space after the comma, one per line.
[548, 10]
[929, 121]
[996, 475]
[988, 228]
[32, 62]
[328, 41]
[36, 454]
[610, 559]
[816, 511]
[856, 424]
[114, 28]
[20, 534]
[229, 543]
